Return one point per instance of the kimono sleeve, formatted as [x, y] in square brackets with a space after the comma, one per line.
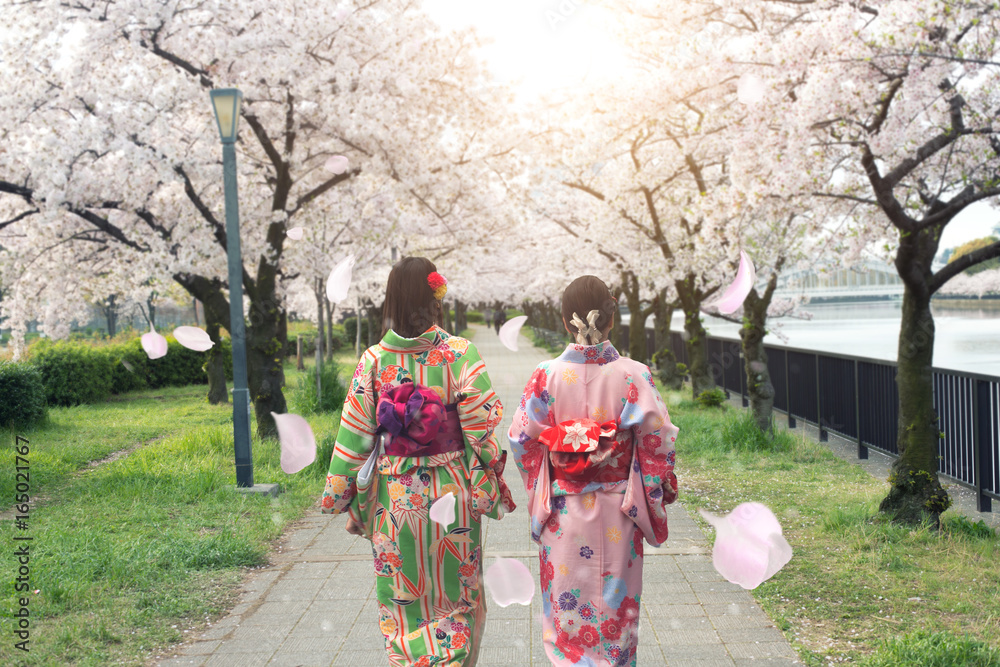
[480, 412]
[652, 484]
[531, 418]
[355, 441]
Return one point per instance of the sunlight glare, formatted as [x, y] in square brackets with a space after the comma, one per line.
[538, 46]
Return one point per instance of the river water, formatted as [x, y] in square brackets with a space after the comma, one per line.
[965, 339]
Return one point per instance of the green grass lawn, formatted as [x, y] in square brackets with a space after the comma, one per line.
[133, 554]
[855, 583]
[138, 552]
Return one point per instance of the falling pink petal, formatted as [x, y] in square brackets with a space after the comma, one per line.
[193, 338]
[295, 233]
[338, 164]
[508, 581]
[129, 367]
[443, 510]
[298, 445]
[340, 280]
[737, 291]
[510, 330]
[749, 547]
[750, 89]
[154, 344]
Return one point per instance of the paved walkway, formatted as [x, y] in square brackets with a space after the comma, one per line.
[315, 605]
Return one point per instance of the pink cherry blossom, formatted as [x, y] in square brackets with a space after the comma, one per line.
[510, 330]
[508, 580]
[154, 344]
[193, 338]
[443, 510]
[298, 444]
[749, 547]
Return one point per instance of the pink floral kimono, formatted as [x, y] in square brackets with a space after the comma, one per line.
[595, 446]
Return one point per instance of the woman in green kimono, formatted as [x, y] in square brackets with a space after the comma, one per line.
[428, 398]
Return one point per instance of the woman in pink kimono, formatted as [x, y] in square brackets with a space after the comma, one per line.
[595, 446]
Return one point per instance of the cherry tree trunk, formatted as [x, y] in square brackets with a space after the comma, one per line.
[283, 334]
[152, 311]
[759, 386]
[449, 324]
[320, 298]
[461, 323]
[374, 327]
[637, 325]
[216, 308]
[915, 493]
[329, 329]
[666, 362]
[615, 335]
[111, 315]
[697, 337]
[265, 367]
[215, 367]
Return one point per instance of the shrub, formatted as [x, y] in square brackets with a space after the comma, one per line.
[303, 399]
[960, 525]
[73, 373]
[933, 649]
[324, 452]
[338, 339]
[22, 395]
[179, 367]
[308, 344]
[474, 316]
[711, 398]
[351, 331]
[130, 366]
[682, 369]
[740, 432]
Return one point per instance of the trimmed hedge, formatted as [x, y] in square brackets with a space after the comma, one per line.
[474, 316]
[129, 370]
[22, 395]
[339, 341]
[74, 373]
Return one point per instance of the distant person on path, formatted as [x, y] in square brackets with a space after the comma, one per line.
[499, 317]
[595, 447]
[429, 395]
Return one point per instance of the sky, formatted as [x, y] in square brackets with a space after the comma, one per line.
[543, 45]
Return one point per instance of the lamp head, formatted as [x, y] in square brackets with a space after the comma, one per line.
[226, 103]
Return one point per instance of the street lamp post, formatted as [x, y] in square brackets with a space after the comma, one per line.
[226, 103]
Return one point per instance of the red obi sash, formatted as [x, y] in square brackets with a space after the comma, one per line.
[417, 422]
[581, 450]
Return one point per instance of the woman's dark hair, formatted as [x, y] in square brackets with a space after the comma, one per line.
[410, 307]
[585, 294]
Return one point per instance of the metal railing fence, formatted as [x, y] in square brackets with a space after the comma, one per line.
[856, 397]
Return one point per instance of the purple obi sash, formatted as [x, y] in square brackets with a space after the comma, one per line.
[417, 422]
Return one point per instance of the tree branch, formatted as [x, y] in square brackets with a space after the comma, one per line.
[955, 267]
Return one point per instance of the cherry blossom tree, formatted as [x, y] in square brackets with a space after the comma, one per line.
[981, 284]
[899, 98]
[137, 163]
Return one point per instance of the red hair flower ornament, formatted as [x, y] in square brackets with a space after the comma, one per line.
[438, 284]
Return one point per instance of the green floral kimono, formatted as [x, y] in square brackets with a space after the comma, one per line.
[428, 578]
